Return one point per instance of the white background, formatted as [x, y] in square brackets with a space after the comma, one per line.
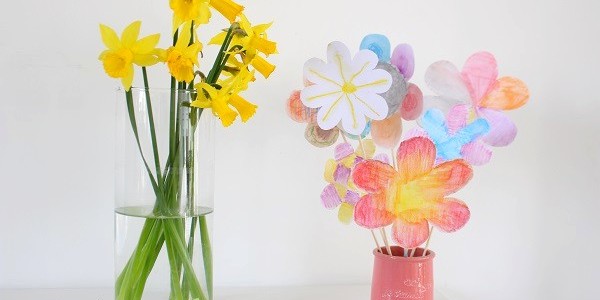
[533, 231]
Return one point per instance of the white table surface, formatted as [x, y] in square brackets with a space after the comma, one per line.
[346, 292]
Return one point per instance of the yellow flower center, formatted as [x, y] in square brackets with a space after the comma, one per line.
[181, 67]
[349, 88]
[115, 62]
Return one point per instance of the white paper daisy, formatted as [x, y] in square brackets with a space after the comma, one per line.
[346, 90]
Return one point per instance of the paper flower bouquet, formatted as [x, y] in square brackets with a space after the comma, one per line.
[383, 179]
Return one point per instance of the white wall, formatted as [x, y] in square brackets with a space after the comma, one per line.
[534, 207]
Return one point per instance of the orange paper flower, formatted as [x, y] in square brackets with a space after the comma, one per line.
[412, 196]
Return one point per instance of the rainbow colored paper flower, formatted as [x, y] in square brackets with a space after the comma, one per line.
[405, 100]
[412, 196]
[341, 190]
[478, 86]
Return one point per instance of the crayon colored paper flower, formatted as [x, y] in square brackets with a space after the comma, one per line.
[412, 196]
[314, 134]
[454, 137]
[346, 89]
[405, 100]
[341, 190]
[478, 85]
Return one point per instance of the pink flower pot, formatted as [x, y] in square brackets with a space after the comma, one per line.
[398, 277]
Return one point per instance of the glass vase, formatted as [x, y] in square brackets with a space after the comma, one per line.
[163, 196]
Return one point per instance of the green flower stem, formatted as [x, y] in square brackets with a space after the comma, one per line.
[206, 255]
[139, 288]
[176, 292]
[190, 249]
[180, 249]
[151, 122]
[140, 257]
[211, 78]
[129, 100]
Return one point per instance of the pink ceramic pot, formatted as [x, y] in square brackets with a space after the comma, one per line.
[398, 277]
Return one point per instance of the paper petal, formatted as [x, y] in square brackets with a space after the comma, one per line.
[444, 79]
[416, 157]
[373, 175]
[507, 93]
[456, 118]
[440, 103]
[476, 153]
[404, 59]
[343, 150]
[410, 235]
[316, 72]
[382, 157]
[330, 197]
[351, 197]
[451, 215]
[412, 106]
[433, 122]
[319, 137]
[397, 92]
[318, 95]
[502, 130]
[330, 166]
[378, 44]
[387, 133]
[346, 213]
[479, 73]
[297, 111]
[370, 212]
[369, 149]
[341, 174]
[446, 178]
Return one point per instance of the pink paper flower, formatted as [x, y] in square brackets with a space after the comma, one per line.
[412, 196]
[478, 86]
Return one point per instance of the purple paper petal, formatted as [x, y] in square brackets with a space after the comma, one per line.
[476, 153]
[382, 157]
[343, 150]
[456, 119]
[404, 59]
[330, 197]
[341, 174]
[502, 129]
[351, 197]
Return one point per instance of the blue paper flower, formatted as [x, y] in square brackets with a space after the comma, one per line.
[379, 44]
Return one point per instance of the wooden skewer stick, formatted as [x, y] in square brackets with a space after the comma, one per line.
[375, 239]
[393, 158]
[427, 244]
[385, 240]
[344, 137]
[362, 147]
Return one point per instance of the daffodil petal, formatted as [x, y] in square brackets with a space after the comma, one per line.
[130, 34]
[146, 45]
[109, 37]
[128, 79]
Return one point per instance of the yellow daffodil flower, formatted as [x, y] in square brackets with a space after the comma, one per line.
[221, 100]
[262, 65]
[123, 53]
[253, 38]
[189, 10]
[229, 9]
[182, 57]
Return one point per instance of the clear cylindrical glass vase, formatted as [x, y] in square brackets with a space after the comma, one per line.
[163, 196]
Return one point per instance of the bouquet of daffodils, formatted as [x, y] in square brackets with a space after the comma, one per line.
[242, 52]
